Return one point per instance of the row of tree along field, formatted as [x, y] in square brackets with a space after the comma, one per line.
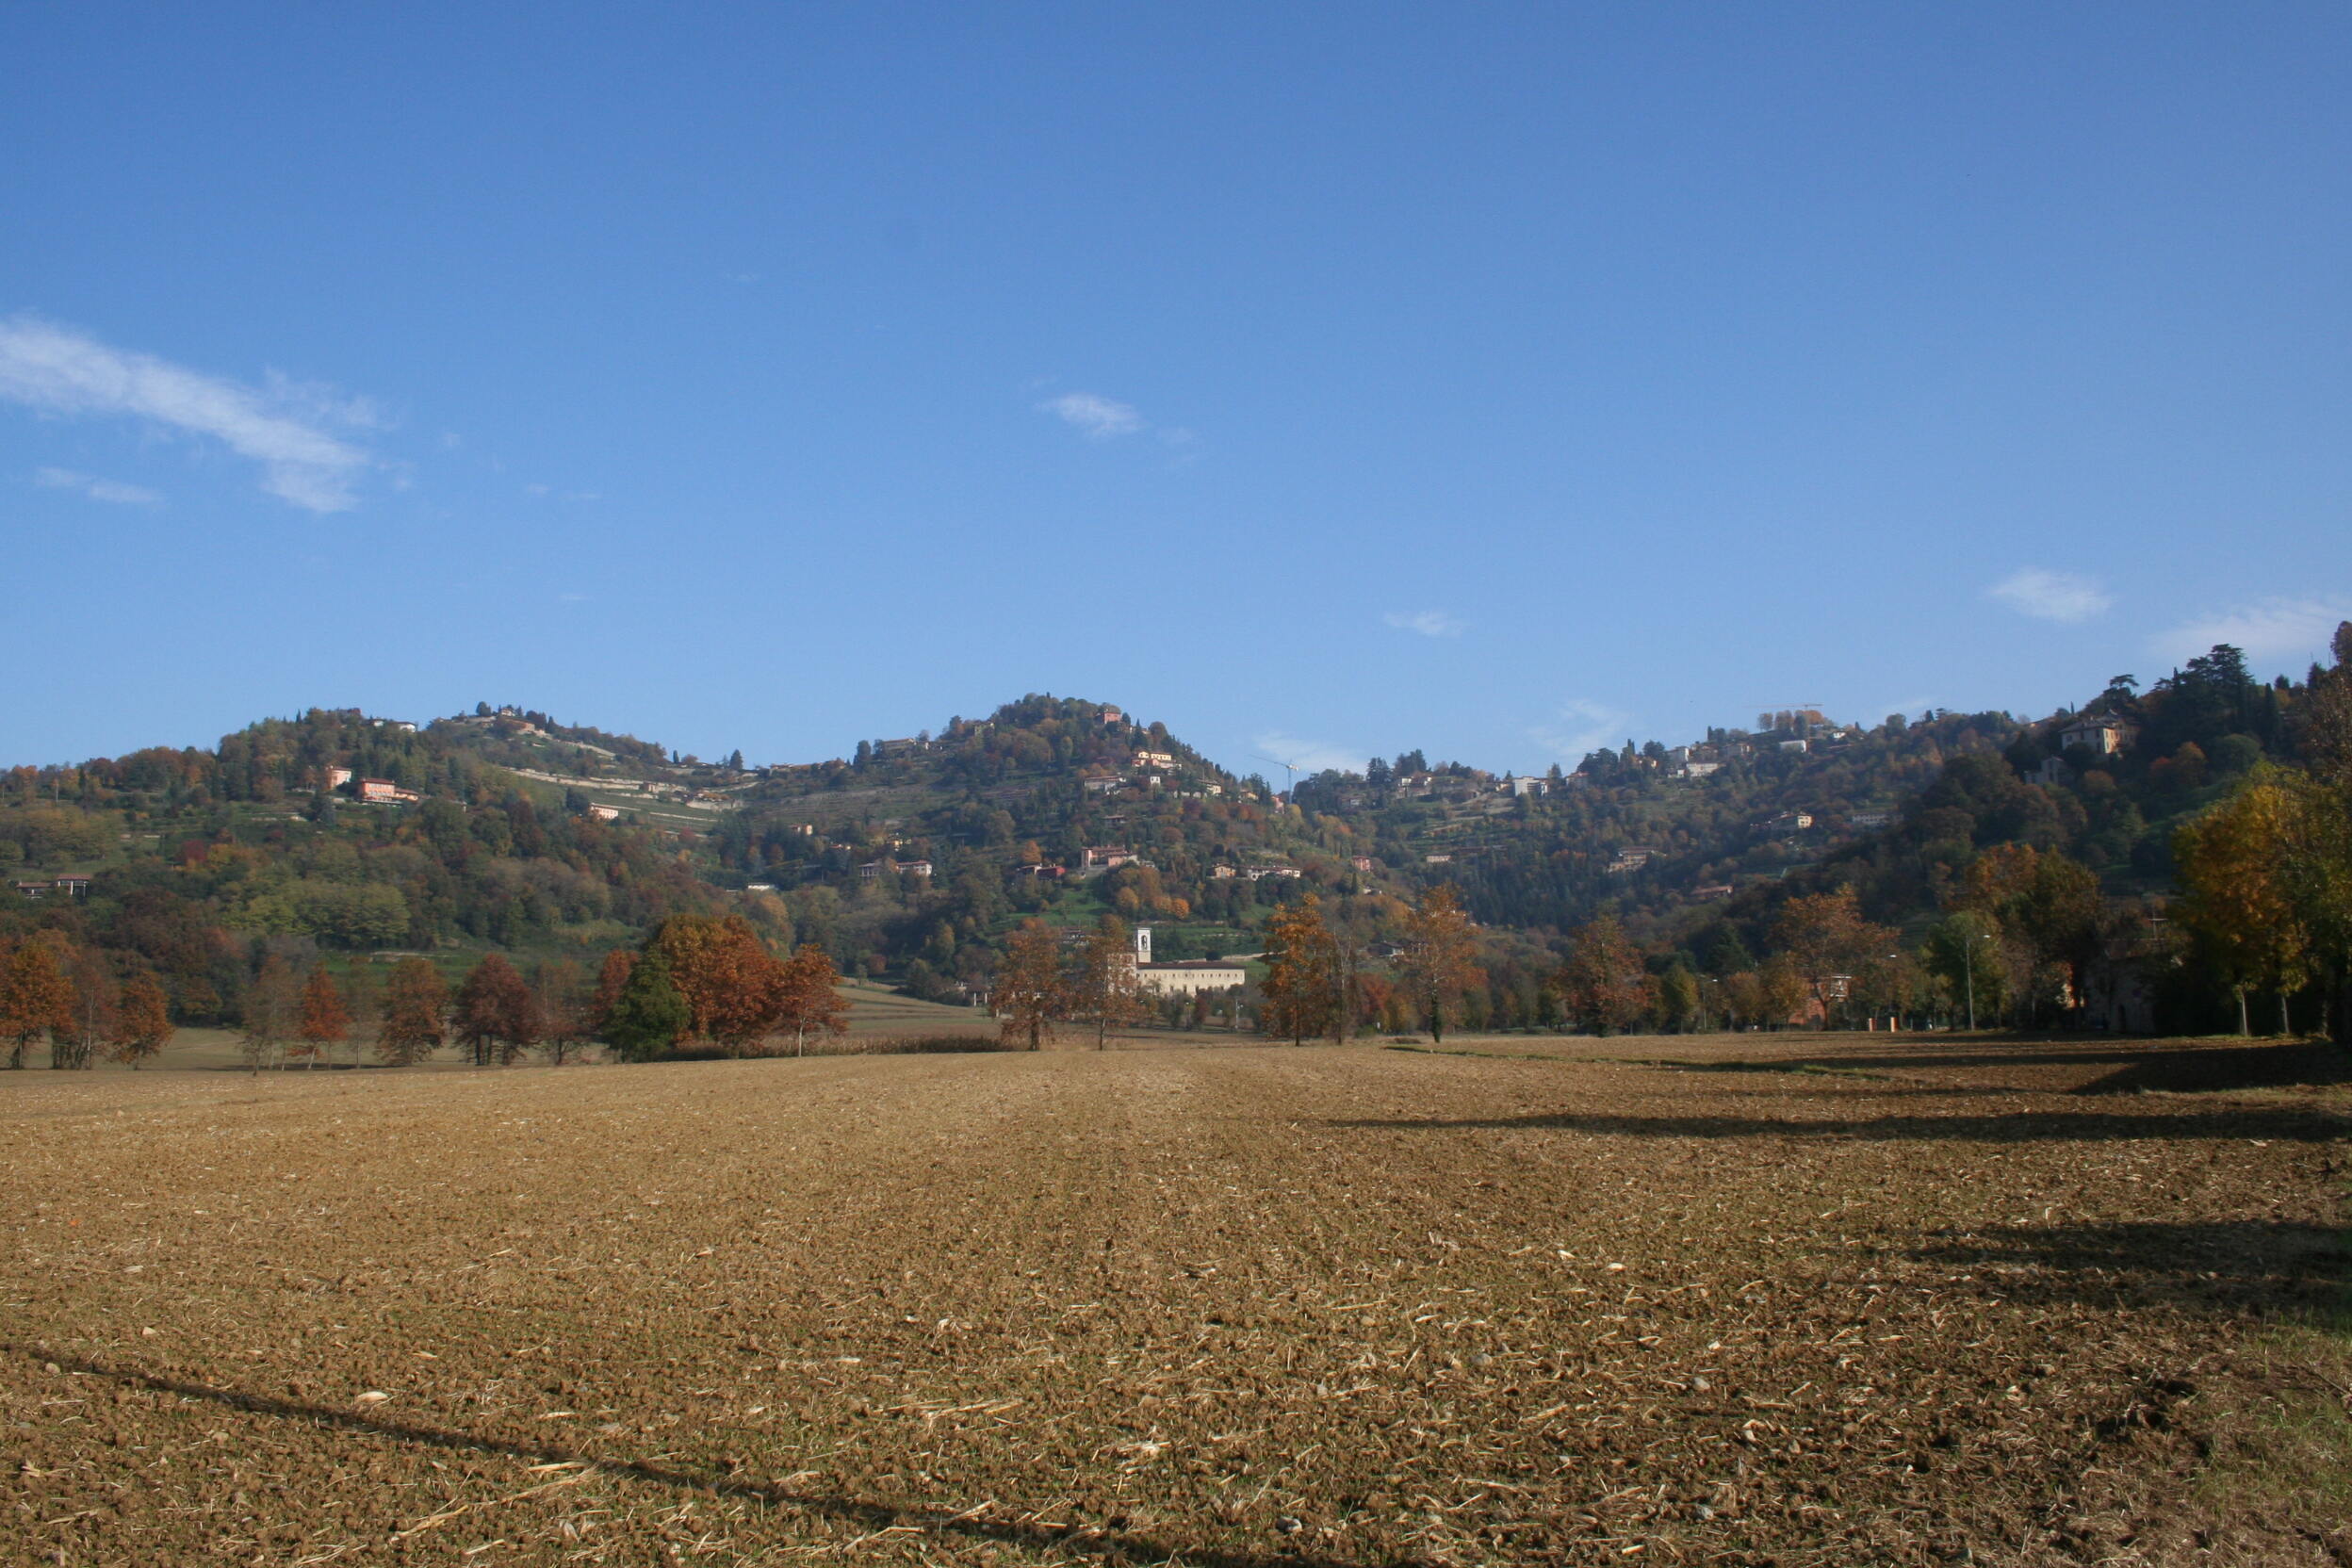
[696, 982]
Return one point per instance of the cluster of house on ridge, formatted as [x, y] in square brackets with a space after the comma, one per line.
[1155, 771]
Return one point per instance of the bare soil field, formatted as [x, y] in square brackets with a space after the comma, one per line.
[1740, 1299]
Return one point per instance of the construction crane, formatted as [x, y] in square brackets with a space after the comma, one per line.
[1290, 771]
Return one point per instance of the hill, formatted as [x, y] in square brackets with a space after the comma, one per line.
[911, 861]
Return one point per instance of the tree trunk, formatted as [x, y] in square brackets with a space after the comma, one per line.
[2285, 1030]
[2245, 1028]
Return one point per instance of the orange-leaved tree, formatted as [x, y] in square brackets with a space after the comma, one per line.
[1830, 942]
[566, 1022]
[143, 1023]
[732, 986]
[1029, 993]
[325, 1019]
[1439, 955]
[611, 979]
[497, 1013]
[416, 1013]
[809, 1000]
[1604, 984]
[35, 995]
[1301, 984]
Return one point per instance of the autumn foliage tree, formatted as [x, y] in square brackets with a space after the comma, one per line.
[143, 1021]
[36, 998]
[1030, 994]
[733, 986]
[1106, 987]
[1440, 957]
[1301, 984]
[566, 1020]
[93, 1012]
[612, 977]
[1830, 942]
[325, 1018]
[811, 1002]
[416, 1013]
[2237, 901]
[497, 1012]
[1604, 985]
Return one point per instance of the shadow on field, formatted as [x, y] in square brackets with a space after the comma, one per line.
[1839, 1061]
[2191, 1069]
[1103, 1544]
[2299, 1126]
[2234, 1268]
[2229, 1066]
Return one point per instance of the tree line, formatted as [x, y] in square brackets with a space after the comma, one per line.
[696, 983]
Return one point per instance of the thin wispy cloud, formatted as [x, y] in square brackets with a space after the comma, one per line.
[1099, 419]
[1308, 756]
[2275, 629]
[57, 371]
[1428, 623]
[97, 489]
[1581, 726]
[2049, 595]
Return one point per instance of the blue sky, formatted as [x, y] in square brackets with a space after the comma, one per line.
[1498, 381]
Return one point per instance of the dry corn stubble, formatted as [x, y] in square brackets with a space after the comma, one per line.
[1236, 1306]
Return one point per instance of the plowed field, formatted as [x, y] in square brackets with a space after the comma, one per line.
[1846, 1299]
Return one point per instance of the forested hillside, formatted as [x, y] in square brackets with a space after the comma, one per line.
[1802, 844]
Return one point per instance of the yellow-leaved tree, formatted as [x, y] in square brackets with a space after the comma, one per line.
[2236, 902]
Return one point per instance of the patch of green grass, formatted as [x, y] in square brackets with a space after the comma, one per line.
[2292, 1451]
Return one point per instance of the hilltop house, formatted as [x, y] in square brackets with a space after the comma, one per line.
[2103, 736]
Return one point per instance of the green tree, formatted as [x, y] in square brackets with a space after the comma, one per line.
[649, 1017]
[1964, 950]
[1678, 1003]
